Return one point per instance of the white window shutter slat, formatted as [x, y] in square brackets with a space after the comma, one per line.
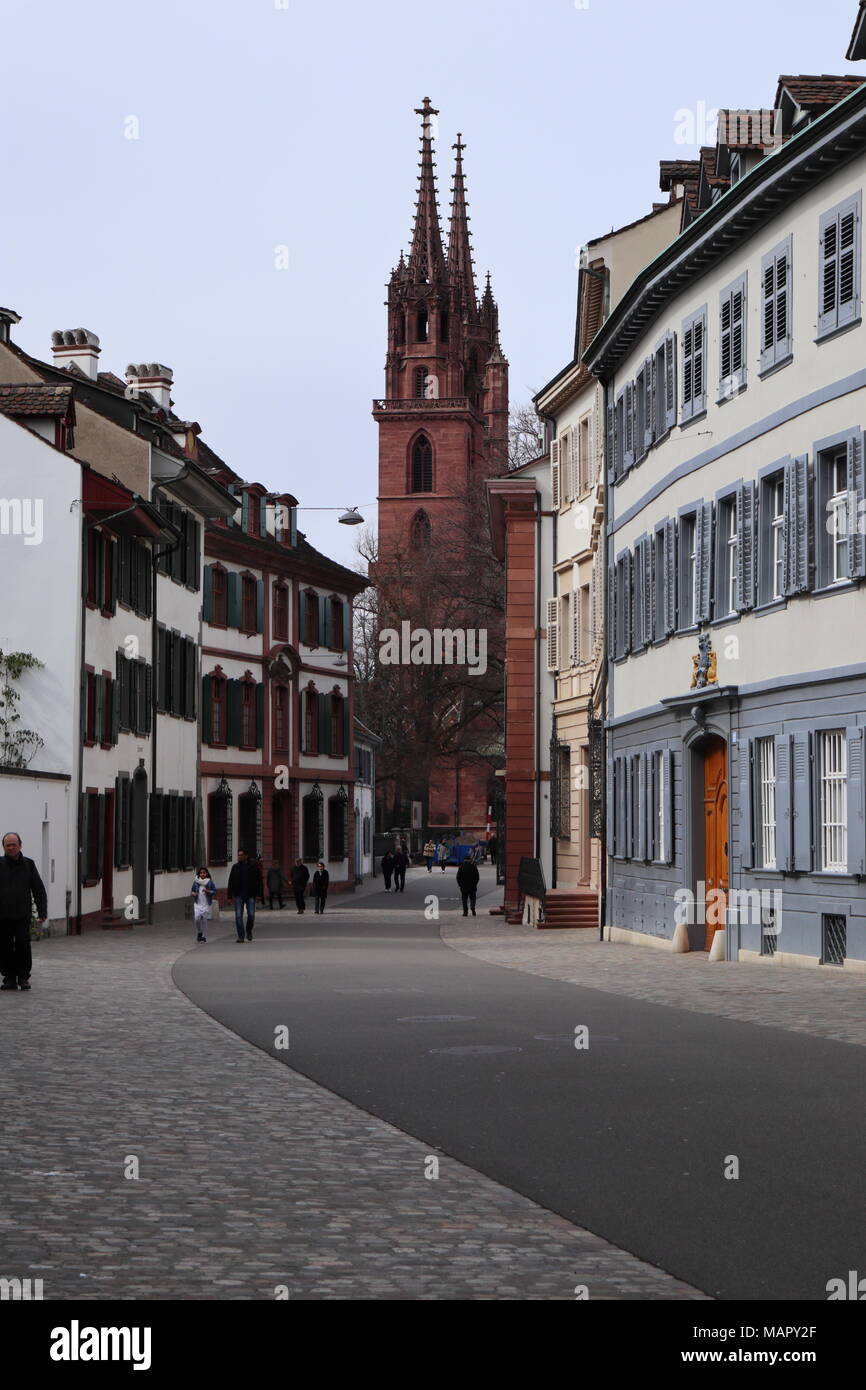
[553, 634]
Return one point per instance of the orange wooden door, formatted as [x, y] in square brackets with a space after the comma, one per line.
[715, 835]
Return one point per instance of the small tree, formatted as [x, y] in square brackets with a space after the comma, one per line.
[18, 747]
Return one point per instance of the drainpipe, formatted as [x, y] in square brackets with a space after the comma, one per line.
[549, 419]
[86, 527]
[603, 858]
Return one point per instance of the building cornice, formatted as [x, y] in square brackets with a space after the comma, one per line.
[808, 158]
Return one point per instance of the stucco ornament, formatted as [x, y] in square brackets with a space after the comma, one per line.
[704, 664]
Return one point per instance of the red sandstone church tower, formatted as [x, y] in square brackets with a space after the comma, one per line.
[443, 427]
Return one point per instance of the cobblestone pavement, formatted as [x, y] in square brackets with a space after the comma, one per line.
[250, 1176]
[825, 1003]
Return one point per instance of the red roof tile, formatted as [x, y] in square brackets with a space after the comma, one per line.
[35, 399]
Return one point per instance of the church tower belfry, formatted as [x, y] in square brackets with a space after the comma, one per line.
[443, 429]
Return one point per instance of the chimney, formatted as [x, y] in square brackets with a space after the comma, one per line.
[78, 346]
[154, 377]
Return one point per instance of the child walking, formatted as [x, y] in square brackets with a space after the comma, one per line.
[204, 891]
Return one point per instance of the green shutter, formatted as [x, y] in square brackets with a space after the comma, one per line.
[100, 834]
[206, 709]
[263, 516]
[347, 619]
[346, 727]
[245, 513]
[260, 605]
[207, 597]
[233, 713]
[233, 604]
[324, 621]
[260, 714]
[324, 723]
[83, 849]
[294, 526]
[302, 617]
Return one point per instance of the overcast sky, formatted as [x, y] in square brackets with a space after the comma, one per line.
[263, 124]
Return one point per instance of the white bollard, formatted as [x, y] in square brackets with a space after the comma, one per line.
[680, 940]
[717, 950]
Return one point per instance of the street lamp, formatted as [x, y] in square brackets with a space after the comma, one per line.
[350, 517]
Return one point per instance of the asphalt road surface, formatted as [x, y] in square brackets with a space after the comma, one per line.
[629, 1137]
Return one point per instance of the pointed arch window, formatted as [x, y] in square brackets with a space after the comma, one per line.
[419, 533]
[420, 381]
[422, 465]
[421, 326]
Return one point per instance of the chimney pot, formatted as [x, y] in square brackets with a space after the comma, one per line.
[153, 377]
[78, 346]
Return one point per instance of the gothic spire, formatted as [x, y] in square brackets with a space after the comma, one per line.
[461, 273]
[426, 258]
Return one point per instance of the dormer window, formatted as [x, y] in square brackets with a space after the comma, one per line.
[736, 169]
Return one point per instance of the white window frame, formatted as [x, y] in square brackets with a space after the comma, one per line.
[777, 538]
[832, 761]
[766, 764]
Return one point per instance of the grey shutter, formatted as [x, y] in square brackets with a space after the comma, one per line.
[796, 508]
[704, 560]
[668, 793]
[619, 435]
[746, 824]
[856, 801]
[609, 808]
[638, 637]
[621, 809]
[669, 616]
[649, 387]
[555, 480]
[784, 808]
[801, 801]
[628, 452]
[856, 508]
[746, 547]
[648, 591]
[641, 846]
[625, 625]
[776, 280]
[839, 266]
[670, 382]
[611, 612]
[611, 464]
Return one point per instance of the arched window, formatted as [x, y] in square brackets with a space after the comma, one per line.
[422, 465]
[420, 381]
[313, 824]
[337, 726]
[419, 533]
[281, 718]
[310, 720]
[250, 813]
[219, 824]
[338, 825]
[421, 326]
[281, 612]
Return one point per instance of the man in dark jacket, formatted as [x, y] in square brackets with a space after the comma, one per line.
[401, 864]
[300, 879]
[467, 882]
[321, 879]
[245, 885]
[20, 885]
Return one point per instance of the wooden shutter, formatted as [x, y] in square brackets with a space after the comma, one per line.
[324, 703]
[99, 730]
[856, 507]
[801, 801]
[610, 434]
[649, 597]
[628, 819]
[233, 599]
[260, 715]
[206, 708]
[99, 831]
[324, 621]
[776, 337]
[839, 266]
[566, 491]
[732, 335]
[643, 782]
[704, 560]
[610, 799]
[346, 744]
[260, 605]
[746, 757]
[649, 389]
[145, 697]
[670, 382]
[191, 678]
[347, 624]
[233, 713]
[207, 595]
[619, 435]
[302, 617]
[856, 801]
[796, 513]
[575, 617]
[669, 547]
[113, 699]
[554, 474]
[597, 597]
[638, 635]
[176, 705]
[746, 547]
[694, 365]
[784, 807]
[553, 634]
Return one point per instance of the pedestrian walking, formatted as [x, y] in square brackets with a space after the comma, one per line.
[387, 867]
[493, 847]
[429, 853]
[203, 891]
[276, 884]
[441, 854]
[20, 887]
[321, 879]
[467, 882]
[245, 885]
[300, 879]
[401, 864]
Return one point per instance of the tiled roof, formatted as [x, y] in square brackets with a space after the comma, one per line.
[825, 90]
[673, 171]
[35, 399]
[747, 130]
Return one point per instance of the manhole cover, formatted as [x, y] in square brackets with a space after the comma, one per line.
[480, 1051]
[439, 1018]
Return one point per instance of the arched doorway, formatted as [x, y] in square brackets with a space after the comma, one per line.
[715, 768]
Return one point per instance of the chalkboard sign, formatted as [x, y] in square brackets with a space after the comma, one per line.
[530, 878]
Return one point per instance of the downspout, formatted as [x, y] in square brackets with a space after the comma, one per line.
[538, 625]
[603, 858]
